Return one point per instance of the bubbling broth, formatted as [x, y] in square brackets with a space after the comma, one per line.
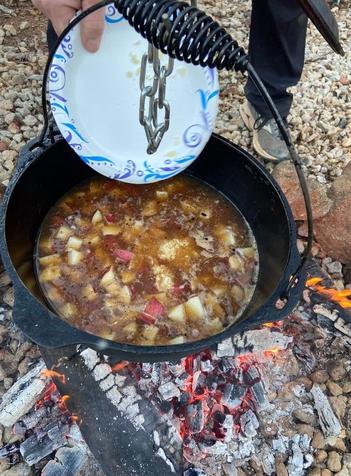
[157, 264]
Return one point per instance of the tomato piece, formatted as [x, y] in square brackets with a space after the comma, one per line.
[154, 308]
[111, 217]
[111, 243]
[124, 255]
[146, 318]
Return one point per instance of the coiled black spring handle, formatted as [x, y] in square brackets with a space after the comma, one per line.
[188, 34]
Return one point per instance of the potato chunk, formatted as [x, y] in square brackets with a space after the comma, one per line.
[237, 293]
[50, 274]
[111, 230]
[149, 334]
[150, 208]
[74, 257]
[177, 340]
[236, 264]
[225, 235]
[194, 309]
[50, 260]
[89, 293]
[97, 217]
[64, 233]
[74, 243]
[108, 278]
[177, 313]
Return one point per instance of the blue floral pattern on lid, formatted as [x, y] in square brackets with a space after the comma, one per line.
[192, 141]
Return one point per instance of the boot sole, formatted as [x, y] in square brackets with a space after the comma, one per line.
[249, 123]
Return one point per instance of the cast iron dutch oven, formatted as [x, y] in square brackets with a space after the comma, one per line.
[47, 168]
[46, 173]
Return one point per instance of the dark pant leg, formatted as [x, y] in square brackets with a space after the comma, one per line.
[276, 50]
[51, 37]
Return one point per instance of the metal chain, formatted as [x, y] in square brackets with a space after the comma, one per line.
[153, 95]
[153, 98]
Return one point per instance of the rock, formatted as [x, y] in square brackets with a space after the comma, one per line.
[286, 176]
[334, 461]
[335, 267]
[315, 472]
[21, 469]
[319, 376]
[281, 469]
[304, 417]
[338, 404]
[346, 387]
[326, 472]
[337, 444]
[343, 472]
[318, 440]
[334, 388]
[333, 230]
[320, 456]
[305, 430]
[347, 461]
[337, 370]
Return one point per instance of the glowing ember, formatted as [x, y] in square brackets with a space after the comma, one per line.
[343, 298]
[274, 325]
[53, 398]
[119, 366]
[52, 373]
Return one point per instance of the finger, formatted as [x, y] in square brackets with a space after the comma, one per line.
[92, 27]
[61, 18]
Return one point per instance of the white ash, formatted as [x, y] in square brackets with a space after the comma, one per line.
[101, 371]
[169, 390]
[249, 423]
[114, 396]
[107, 383]
[90, 358]
[260, 340]
[22, 396]
[225, 348]
[329, 422]
[162, 454]
[322, 310]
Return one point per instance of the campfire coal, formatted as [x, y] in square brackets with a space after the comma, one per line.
[246, 404]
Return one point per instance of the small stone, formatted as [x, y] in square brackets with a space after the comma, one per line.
[21, 469]
[3, 145]
[318, 440]
[7, 105]
[8, 155]
[304, 417]
[326, 472]
[319, 376]
[338, 404]
[346, 387]
[8, 381]
[343, 472]
[24, 25]
[305, 430]
[315, 472]
[335, 267]
[320, 456]
[334, 461]
[281, 469]
[337, 371]
[337, 444]
[30, 120]
[306, 382]
[334, 388]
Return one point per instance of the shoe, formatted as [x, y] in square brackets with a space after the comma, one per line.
[267, 140]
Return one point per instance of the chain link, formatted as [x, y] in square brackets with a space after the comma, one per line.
[153, 95]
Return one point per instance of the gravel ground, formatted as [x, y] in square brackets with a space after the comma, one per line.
[321, 114]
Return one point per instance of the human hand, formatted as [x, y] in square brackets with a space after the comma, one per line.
[60, 12]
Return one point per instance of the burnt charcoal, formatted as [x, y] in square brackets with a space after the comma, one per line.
[181, 379]
[219, 416]
[233, 395]
[184, 398]
[165, 406]
[200, 385]
[211, 382]
[195, 417]
[8, 450]
[194, 472]
[156, 373]
[252, 376]
[226, 365]
[303, 354]
[19, 428]
[36, 447]
[259, 395]
[206, 366]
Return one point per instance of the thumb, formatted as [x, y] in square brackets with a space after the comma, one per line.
[92, 27]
